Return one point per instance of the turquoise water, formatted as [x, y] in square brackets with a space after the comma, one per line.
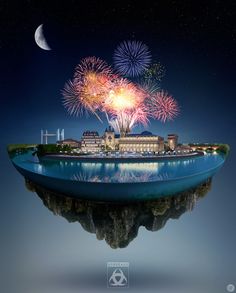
[119, 172]
[118, 181]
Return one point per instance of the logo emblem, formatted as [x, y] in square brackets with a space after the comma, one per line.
[118, 274]
[230, 288]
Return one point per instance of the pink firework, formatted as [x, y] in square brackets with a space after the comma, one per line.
[163, 106]
[71, 100]
[96, 89]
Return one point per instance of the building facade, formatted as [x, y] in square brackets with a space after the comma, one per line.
[110, 139]
[91, 142]
[144, 142]
[172, 140]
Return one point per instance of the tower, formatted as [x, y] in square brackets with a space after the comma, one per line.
[109, 138]
[172, 141]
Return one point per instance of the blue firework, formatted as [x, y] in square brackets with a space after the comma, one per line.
[131, 58]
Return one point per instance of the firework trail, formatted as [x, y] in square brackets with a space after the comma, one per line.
[125, 106]
[131, 58]
[123, 122]
[71, 100]
[163, 106]
[149, 86]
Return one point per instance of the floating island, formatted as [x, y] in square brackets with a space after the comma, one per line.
[120, 178]
[119, 224]
[119, 166]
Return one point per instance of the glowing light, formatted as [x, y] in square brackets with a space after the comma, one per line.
[131, 58]
[123, 96]
[125, 104]
[155, 72]
[96, 89]
[163, 106]
[85, 93]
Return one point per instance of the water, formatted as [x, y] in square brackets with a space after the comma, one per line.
[118, 181]
[119, 172]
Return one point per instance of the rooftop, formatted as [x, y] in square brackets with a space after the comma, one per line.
[143, 134]
[90, 133]
[172, 134]
[68, 139]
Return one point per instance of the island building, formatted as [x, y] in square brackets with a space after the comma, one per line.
[71, 142]
[91, 142]
[110, 139]
[145, 141]
[172, 141]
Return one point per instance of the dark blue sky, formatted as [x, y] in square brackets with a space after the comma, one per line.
[196, 44]
[195, 40]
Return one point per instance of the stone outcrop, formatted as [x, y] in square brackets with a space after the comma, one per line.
[118, 224]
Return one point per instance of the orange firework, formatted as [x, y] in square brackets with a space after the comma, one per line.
[86, 92]
[123, 96]
[96, 89]
[125, 104]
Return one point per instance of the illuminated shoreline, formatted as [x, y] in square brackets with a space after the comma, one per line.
[121, 157]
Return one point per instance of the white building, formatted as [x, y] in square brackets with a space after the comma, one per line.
[172, 141]
[91, 142]
[143, 142]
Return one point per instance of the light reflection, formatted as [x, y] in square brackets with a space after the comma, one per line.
[148, 167]
[38, 168]
[120, 177]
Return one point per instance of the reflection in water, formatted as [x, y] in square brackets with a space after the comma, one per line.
[120, 177]
[118, 224]
[121, 173]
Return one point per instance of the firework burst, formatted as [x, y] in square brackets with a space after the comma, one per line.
[151, 78]
[71, 100]
[131, 58]
[87, 90]
[96, 89]
[163, 106]
[150, 86]
[125, 104]
[155, 72]
[91, 65]
[123, 96]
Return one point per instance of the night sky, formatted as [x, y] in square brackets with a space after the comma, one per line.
[194, 40]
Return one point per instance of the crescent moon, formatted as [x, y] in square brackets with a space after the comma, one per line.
[40, 39]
